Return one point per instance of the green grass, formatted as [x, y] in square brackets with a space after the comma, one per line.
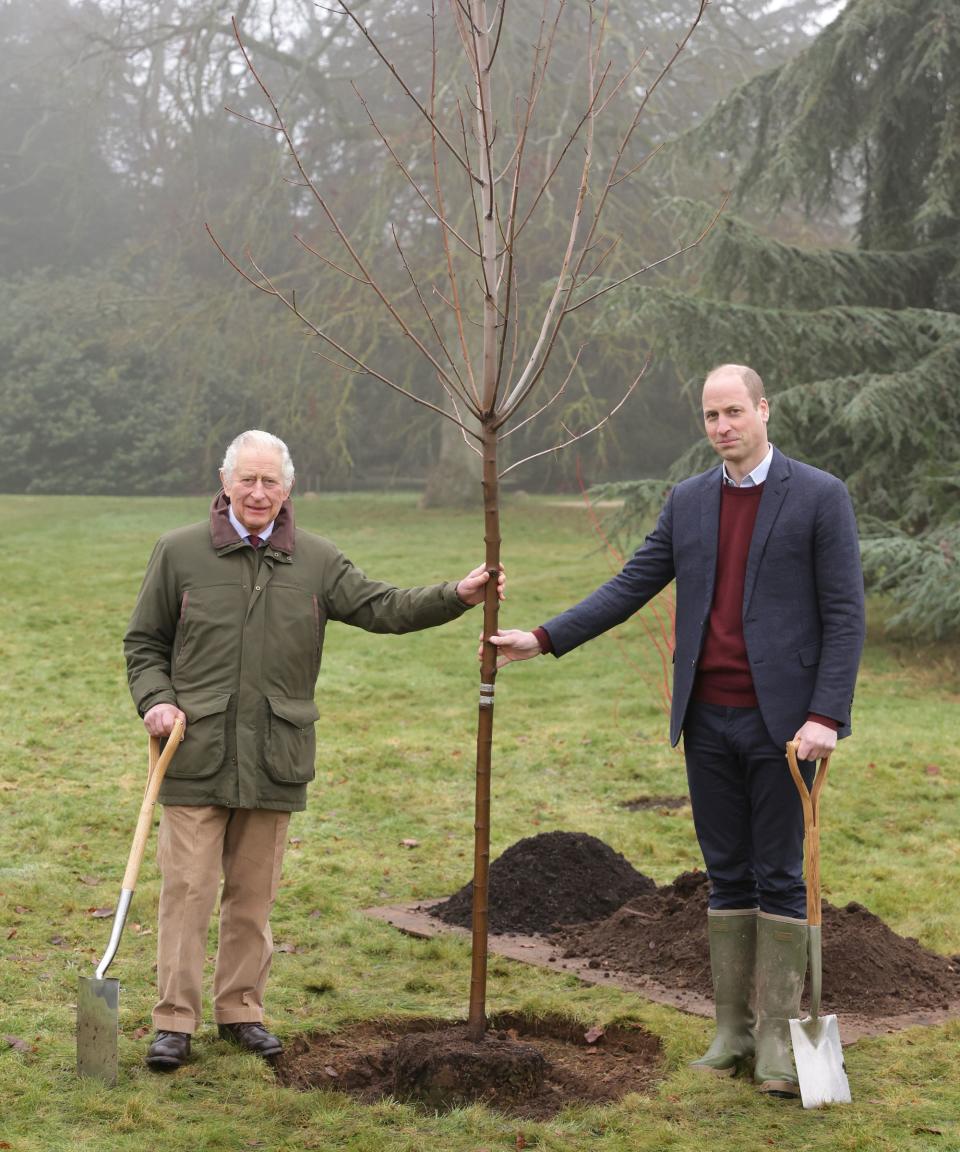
[574, 739]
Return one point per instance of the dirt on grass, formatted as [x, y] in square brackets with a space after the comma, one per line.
[571, 885]
[867, 968]
[576, 1064]
[575, 892]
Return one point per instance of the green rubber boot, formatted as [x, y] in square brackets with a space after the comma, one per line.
[733, 950]
[781, 967]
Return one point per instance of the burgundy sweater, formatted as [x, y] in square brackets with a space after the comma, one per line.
[723, 671]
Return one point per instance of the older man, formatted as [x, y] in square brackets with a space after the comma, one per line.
[769, 631]
[227, 634]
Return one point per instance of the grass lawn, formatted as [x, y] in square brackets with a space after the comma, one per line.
[574, 739]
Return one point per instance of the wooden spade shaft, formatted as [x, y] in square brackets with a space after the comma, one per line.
[157, 770]
[817, 1052]
[98, 998]
[810, 799]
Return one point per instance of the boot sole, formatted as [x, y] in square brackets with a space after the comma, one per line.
[706, 1070]
[164, 1063]
[782, 1089]
[263, 1053]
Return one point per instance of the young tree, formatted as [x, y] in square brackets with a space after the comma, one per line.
[478, 179]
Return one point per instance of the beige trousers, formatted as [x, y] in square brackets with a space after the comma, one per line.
[196, 844]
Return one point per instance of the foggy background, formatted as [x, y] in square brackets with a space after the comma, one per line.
[130, 352]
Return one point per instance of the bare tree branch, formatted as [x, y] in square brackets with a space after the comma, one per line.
[655, 263]
[455, 302]
[364, 31]
[559, 392]
[451, 387]
[267, 286]
[436, 213]
[612, 178]
[462, 422]
[575, 437]
[507, 274]
[553, 314]
[640, 164]
[330, 263]
[328, 212]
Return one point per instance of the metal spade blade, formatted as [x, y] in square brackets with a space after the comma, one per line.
[819, 1058]
[98, 1024]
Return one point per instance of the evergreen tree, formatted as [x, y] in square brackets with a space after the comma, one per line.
[859, 344]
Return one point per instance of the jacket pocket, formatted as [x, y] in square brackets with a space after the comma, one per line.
[290, 746]
[809, 656]
[204, 747]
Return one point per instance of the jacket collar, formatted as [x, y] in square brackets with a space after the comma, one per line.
[223, 535]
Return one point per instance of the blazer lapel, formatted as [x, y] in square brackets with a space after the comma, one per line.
[774, 490]
[710, 532]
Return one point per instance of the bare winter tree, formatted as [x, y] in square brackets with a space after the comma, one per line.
[485, 321]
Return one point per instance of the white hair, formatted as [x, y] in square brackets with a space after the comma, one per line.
[254, 438]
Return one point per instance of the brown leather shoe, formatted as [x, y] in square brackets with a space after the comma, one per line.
[252, 1037]
[168, 1051]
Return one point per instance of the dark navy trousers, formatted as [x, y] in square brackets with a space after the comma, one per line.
[746, 810]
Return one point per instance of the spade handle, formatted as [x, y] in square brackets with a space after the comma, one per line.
[158, 763]
[158, 768]
[810, 799]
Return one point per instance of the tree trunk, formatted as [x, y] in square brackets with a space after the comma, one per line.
[477, 1021]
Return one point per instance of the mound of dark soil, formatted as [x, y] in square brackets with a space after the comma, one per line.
[662, 934]
[867, 968]
[544, 881]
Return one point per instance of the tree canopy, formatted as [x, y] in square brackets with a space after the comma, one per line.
[116, 149]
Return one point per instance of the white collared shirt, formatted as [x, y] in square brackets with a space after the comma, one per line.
[754, 478]
[244, 533]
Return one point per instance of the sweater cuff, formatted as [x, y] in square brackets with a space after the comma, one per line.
[543, 639]
[826, 721]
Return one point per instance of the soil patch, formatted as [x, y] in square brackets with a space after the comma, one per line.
[646, 803]
[867, 969]
[654, 943]
[543, 882]
[593, 1066]
[593, 904]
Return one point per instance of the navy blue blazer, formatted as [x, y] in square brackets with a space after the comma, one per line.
[803, 610]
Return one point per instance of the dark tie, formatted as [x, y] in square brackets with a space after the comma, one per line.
[254, 541]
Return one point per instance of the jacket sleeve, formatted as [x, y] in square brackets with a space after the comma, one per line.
[375, 606]
[647, 572]
[840, 598]
[148, 642]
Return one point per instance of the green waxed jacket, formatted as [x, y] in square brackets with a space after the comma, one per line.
[234, 638]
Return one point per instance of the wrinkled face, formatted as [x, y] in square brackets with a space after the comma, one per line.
[256, 488]
[735, 425]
